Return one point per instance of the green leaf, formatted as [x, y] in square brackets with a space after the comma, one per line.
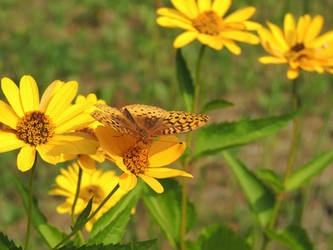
[215, 104]
[223, 237]
[271, 179]
[81, 219]
[142, 245]
[6, 244]
[51, 235]
[260, 199]
[305, 173]
[111, 227]
[184, 80]
[292, 236]
[216, 137]
[165, 209]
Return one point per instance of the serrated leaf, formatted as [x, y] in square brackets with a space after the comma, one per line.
[141, 245]
[271, 179]
[6, 244]
[81, 219]
[185, 82]
[215, 104]
[165, 209]
[112, 225]
[218, 136]
[260, 199]
[292, 236]
[308, 171]
[50, 234]
[223, 237]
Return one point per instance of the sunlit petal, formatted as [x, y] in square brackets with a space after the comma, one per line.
[29, 93]
[153, 183]
[165, 173]
[185, 38]
[12, 93]
[8, 115]
[9, 142]
[26, 158]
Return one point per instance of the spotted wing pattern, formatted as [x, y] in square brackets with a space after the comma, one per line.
[178, 122]
[114, 118]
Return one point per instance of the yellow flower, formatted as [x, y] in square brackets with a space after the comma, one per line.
[298, 45]
[46, 126]
[138, 159]
[204, 20]
[87, 162]
[97, 184]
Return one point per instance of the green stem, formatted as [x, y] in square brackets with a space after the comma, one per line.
[77, 193]
[189, 142]
[30, 191]
[89, 218]
[291, 159]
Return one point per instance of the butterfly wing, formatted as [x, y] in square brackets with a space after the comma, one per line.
[178, 122]
[114, 118]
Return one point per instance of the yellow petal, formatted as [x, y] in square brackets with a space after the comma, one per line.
[241, 36]
[292, 73]
[278, 35]
[313, 29]
[241, 15]
[46, 153]
[165, 151]
[165, 173]
[61, 99]
[184, 39]
[127, 182]
[12, 93]
[232, 46]
[113, 142]
[8, 115]
[290, 29]
[204, 5]
[323, 40]
[221, 6]
[49, 93]
[26, 158]
[187, 7]
[29, 93]
[72, 119]
[65, 207]
[212, 41]
[250, 25]
[9, 142]
[73, 143]
[153, 183]
[86, 163]
[174, 14]
[173, 23]
[272, 59]
[302, 27]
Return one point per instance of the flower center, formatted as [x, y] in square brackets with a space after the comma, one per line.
[136, 158]
[297, 47]
[35, 128]
[208, 23]
[92, 191]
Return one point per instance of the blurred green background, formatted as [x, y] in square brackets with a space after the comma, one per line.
[116, 50]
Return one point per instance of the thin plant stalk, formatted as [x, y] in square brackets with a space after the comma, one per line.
[89, 218]
[30, 192]
[189, 142]
[77, 193]
[291, 160]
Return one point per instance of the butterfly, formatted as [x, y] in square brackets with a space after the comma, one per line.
[148, 122]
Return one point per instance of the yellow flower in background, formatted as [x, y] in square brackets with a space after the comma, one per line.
[87, 162]
[205, 20]
[138, 159]
[298, 45]
[46, 126]
[97, 184]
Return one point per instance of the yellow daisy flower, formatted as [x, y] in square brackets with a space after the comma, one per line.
[97, 184]
[204, 20]
[298, 45]
[46, 126]
[138, 159]
[87, 162]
